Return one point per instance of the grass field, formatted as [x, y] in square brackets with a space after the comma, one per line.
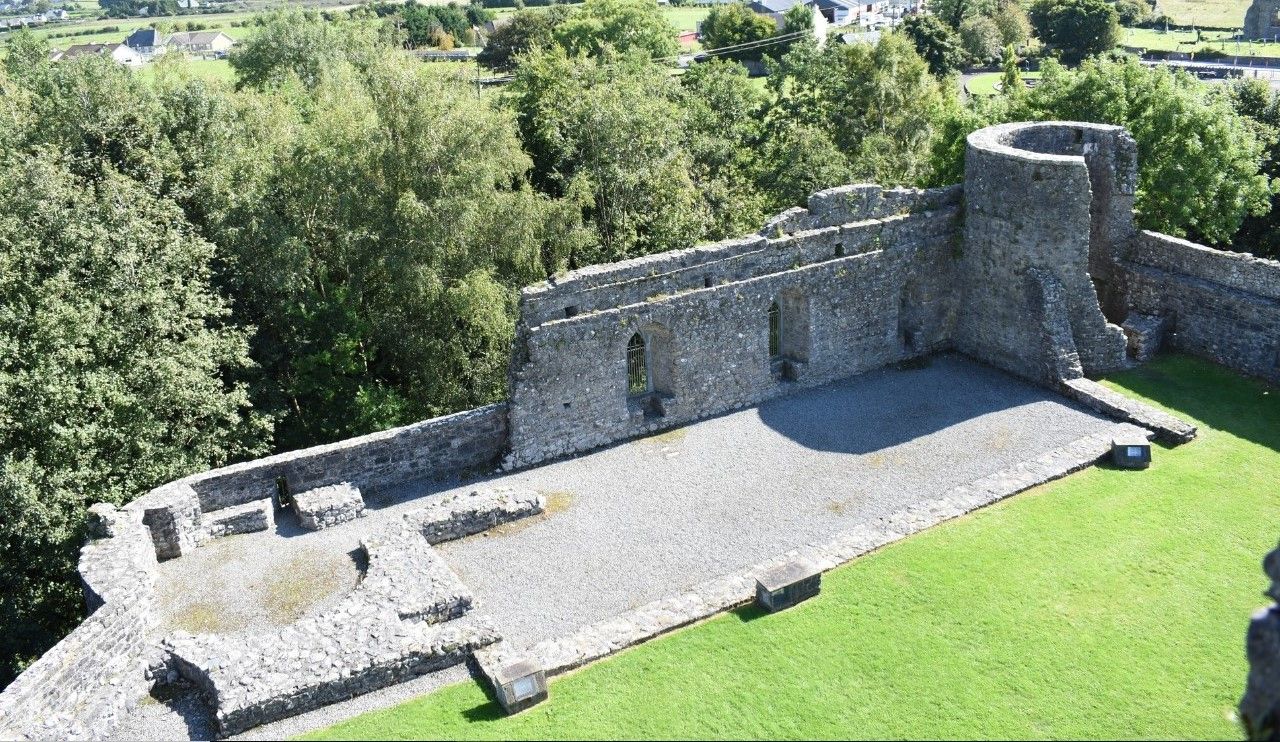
[218, 70]
[1185, 41]
[1220, 13]
[1110, 604]
[985, 84]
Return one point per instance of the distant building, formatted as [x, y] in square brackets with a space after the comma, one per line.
[119, 53]
[147, 42]
[835, 12]
[201, 42]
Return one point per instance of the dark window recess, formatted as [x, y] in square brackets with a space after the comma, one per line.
[571, 311]
[567, 405]
[282, 493]
[775, 331]
[706, 282]
[839, 249]
[637, 368]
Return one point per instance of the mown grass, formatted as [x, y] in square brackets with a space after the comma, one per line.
[1188, 41]
[1110, 604]
[985, 84]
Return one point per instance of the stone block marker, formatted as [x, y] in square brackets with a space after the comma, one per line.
[787, 584]
[324, 507]
[518, 685]
[246, 518]
[1131, 452]
[1260, 706]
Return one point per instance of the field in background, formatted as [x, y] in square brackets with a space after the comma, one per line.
[1185, 41]
[1221, 13]
[1109, 604]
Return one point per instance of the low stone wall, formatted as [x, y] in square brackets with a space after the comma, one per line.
[79, 689]
[461, 515]
[439, 447]
[1223, 306]
[402, 620]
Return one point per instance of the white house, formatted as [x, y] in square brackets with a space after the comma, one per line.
[147, 42]
[201, 42]
[119, 53]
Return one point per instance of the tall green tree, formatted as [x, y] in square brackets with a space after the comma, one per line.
[522, 32]
[723, 127]
[118, 372]
[733, 24]
[623, 25]
[1076, 28]
[607, 135]
[936, 42]
[876, 103]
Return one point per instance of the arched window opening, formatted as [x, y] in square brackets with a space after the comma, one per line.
[637, 366]
[775, 331]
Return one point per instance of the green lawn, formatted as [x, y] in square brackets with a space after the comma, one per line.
[1185, 41]
[1110, 604]
[986, 84]
[209, 69]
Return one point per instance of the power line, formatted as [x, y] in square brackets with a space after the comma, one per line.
[744, 46]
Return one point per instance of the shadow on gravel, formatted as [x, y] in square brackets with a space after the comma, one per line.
[885, 408]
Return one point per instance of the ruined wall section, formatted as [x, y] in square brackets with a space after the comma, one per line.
[1223, 306]
[1030, 213]
[439, 447]
[854, 296]
[830, 213]
[81, 687]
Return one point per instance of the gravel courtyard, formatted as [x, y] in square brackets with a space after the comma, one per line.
[653, 517]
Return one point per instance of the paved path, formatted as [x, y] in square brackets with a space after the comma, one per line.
[653, 517]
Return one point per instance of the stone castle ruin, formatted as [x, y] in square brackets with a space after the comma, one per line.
[1033, 265]
[1262, 20]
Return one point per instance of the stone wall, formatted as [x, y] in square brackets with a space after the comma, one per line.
[854, 294]
[1261, 21]
[1037, 230]
[1223, 306]
[78, 689]
[442, 446]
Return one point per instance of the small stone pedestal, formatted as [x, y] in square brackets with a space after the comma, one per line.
[519, 685]
[1131, 452]
[788, 584]
[324, 507]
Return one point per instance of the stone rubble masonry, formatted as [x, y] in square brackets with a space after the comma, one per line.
[1224, 306]
[436, 448]
[854, 297]
[720, 594]
[1146, 334]
[461, 515]
[1019, 224]
[1097, 397]
[405, 618]
[331, 505]
[247, 518]
[81, 687]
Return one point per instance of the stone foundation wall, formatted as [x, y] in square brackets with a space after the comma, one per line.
[441, 446]
[79, 689]
[1223, 306]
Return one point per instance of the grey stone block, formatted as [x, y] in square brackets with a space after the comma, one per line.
[1131, 452]
[787, 584]
[519, 685]
[325, 507]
